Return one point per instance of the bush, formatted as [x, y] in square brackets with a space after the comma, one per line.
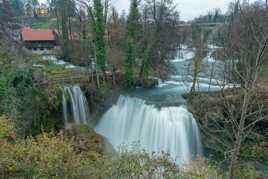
[31, 108]
[79, 153]
[136, 163]
[6, 129]
[47, 156]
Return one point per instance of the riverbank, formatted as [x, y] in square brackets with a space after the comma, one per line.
[212, 110]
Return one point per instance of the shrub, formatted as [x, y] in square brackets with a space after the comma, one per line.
[136, 163]
[47, 156]
[6, 129]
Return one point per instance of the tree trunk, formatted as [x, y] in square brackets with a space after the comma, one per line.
[196, 73]
[240, 134]
[96, 69]
[97, 79]
[113, 76]
[234, 158]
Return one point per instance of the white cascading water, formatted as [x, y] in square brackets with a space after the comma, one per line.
[171, 130]
[75, 106]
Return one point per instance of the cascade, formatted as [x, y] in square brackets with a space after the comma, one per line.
[75, 106]
[171, 130]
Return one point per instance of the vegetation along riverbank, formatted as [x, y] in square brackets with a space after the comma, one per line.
[90, 92]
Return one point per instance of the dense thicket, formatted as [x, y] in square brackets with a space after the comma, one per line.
[31, 109]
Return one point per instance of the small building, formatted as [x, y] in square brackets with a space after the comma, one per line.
[38, 39]
[42, 11]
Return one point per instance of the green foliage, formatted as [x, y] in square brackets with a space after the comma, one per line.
[53, 68]
[76, 153]
[248, 171]
[6, 129]
[42, 23]
[133, 33]
[129, 74]
[45, 156]
[136, 163]
[99, 27]
[160, 36]
[31, 109]
[79, 153]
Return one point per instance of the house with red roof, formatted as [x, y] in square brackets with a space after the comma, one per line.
[38, 39]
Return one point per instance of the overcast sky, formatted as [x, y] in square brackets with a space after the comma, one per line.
[189, 9]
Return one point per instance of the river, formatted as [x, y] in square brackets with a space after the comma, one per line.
[157, 119]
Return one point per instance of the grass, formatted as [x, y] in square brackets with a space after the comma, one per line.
[40, 25]
[264, 76]
[54, 68]
[43, 23]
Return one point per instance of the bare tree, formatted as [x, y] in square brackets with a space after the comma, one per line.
[245, 45]
[200, 47]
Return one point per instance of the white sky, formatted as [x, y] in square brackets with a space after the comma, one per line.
[189, 9]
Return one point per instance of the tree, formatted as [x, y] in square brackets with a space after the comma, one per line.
[116, 38]
[99, 17]
[65, 10]
[197, 60]
[133, 34]
[17, 7]
[29, 8]
[234, 126]
[251, 52]
[6, 21]
[200, 40]
[161, 35]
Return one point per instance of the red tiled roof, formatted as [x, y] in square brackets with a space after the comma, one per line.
[72, 35]
[29, 34]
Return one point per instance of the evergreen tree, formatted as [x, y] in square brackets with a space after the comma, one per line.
[133, 32]
[100, 32]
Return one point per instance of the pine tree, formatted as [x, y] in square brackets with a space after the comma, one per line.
[133, 32]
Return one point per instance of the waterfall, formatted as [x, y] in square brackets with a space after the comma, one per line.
[172, 130]
[74, 105]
